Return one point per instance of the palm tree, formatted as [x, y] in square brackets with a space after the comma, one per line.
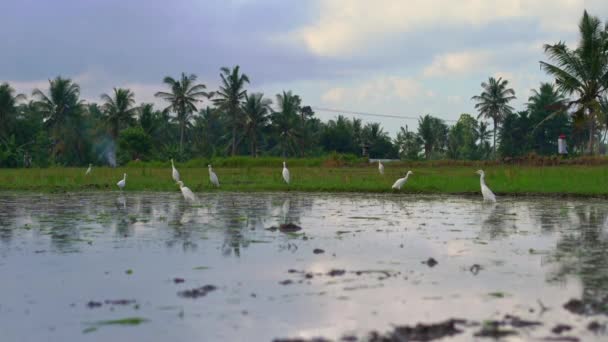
[146, 117]
[232, 92]
[545, 108]
[182, 98]
[256, 109]
[483, 135]
[119, 109]
[8, 107]
[582, 71]
[285, 121]
[61, 110]
[433, 132]
[493, 102]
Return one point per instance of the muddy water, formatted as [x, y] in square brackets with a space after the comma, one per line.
[70, 263]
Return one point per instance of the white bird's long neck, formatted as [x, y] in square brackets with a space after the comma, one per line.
[482, 179]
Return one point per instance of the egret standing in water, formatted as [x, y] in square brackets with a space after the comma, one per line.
[380, 168]
[213, 177]
[188, 194]
[175, 173]
[487, 194]
[399, 183]
[89, 169]
[121, 184]
[285, 173]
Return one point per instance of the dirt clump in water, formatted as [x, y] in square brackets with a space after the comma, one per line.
[289, 228]
[587, 307]
[198, 292]
[420, 332]
[431, 262]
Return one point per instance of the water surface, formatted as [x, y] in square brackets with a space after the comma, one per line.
[63, 256]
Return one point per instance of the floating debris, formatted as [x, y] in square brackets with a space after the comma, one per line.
[588, 306]
[289, 228]
[318, 251]
[198, 292]
[596, 327]
[430, 262]
[560, 328]
[93, 304]
[475, 268]
[120, 301]
[493, 329]
[421, 332]
[336, 273]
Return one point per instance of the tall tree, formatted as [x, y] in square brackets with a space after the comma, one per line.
[493, 102]
[433, 132]
[546, 115]
[182, 98]
[582, 72]
[8, 108]
[119, 109]
[285, 122]
[229, 97]
[408, 144]
[61, 109]
[256, 109]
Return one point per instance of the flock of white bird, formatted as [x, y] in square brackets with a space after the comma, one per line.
[487, 194]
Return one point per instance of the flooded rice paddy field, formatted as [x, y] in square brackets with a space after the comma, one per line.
[150, 267]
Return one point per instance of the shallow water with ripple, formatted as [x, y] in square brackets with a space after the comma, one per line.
[63, 254]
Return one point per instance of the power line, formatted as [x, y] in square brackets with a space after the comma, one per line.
[342, 111]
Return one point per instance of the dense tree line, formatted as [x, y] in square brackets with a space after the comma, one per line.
[54, 126]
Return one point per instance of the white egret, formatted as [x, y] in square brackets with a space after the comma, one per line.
[285, 173]
[487, 194]
[399, 182]
[380, 168]
[175, 173]
[188, 194]
[121, 184]
[213, 177]
[89, 169]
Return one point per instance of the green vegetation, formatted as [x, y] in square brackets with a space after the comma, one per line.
[454, 179]
[57, 128]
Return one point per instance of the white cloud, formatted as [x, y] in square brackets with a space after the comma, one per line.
[457, 63]
[347, 26]
[453, 99]
[377, 89]
[334, 95]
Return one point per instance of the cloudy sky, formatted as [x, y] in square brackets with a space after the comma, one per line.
[399, 57]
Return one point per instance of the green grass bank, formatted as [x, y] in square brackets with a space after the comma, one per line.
[581, 180]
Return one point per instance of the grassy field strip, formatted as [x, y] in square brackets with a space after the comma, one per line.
[574, 180]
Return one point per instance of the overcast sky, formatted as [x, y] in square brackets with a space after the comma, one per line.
[400, 57]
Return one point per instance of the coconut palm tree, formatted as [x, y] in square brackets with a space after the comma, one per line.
[229, 97]
[61, 109]
[183, 96]
[8, 108]
[285, 121]
[256, 109]
[545, 108]
[493, 102]
[582, 72]
[119, 109]
[433, 132]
